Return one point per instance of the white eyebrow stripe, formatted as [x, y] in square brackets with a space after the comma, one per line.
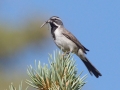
[56, 18]
[59, 19]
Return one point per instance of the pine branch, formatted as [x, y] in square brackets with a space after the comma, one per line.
[11, 87]
[61, 74]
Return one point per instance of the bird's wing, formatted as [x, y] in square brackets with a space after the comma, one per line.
[70, 36]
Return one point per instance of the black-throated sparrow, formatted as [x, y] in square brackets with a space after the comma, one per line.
[67, 42]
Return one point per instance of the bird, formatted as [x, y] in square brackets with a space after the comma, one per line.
[67, 42]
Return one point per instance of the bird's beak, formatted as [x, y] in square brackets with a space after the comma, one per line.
[45, 23]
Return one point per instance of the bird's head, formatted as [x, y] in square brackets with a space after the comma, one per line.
[53, 21]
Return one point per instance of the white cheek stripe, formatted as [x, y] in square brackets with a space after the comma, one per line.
[56, 24]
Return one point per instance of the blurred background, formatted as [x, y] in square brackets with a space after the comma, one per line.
[95, 23]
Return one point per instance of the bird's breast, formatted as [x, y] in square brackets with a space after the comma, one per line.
[63, 42]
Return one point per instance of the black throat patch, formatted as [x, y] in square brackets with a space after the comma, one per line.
[53, 28]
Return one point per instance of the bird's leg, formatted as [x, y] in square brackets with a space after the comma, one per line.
[65, 54]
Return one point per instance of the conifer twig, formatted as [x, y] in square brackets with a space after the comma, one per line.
[11, 87]
[61, 74]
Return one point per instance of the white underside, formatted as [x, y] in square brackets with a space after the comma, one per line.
[66, 45]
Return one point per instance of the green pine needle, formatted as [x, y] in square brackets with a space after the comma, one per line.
[61, 74]
[11, 87]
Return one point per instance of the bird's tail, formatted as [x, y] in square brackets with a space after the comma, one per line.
[91, 68]
[88, 64]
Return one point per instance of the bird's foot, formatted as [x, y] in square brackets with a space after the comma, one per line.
[65, 54]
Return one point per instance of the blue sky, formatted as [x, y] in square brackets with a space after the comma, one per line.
[95, 23]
